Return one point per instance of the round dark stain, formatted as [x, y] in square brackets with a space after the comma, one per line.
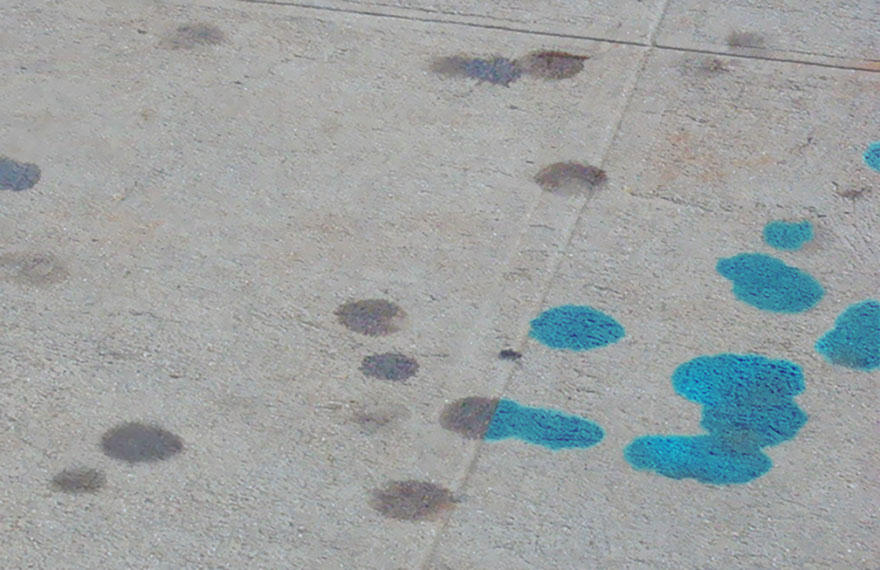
[189, 36]
[412, 500]
[553, 64]
[469, 417]
[17, 176]
[136, 443]
[498, 70]
[509, 354]
[31, 268]
[373, 317]
[570, 177]
[390, 366]
[79, 480]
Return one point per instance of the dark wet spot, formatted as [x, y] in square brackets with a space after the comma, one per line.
[17, 176]
[372, 420]
[745, 39]
[553, 64]
[469, 417]
[31, 268]
[570, 177]
[854, 193]
[373, 317]
[135, 443]
[508, 354]
[390, 366]
[79, 480]
[412, 500]
[193, 35]
[498, 71]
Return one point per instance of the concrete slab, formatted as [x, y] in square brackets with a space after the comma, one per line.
[831, 33]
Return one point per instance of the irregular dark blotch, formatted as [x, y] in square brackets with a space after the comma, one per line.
[31, 268]
[570, 177]
[854, 193]
[134, 442]
[17, 176]
[79, 480]
[412, 500]
[193, 35]
[498, 71]
[553, 64]
[745, 39]
[509, 354]
[390, 366]
[372, 420]
[469, 417]
[373, 317]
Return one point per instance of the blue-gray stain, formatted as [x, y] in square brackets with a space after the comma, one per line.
[769, 284]
[549, 428]
[498, 71]
[854, 341]
[17, 176]
[747, 405]
[575, 327]
[789, 236]
[872, 155]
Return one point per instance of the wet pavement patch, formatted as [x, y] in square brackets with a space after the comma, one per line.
[192, 35]
[31, 269]
[497, 71]
[469, 417]
[854, 342]
[390, 366]
[412, 500]
[79, 480]
[509, 354]
[745, 39]
[372, 317]
[17, 176]
[570, 178]
[552, 64]
[138, 443]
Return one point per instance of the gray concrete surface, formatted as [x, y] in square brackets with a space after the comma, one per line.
[217, 178]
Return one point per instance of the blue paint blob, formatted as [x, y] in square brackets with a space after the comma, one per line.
[872, 156]
[541, 426]
[573, 327]
[789, 236]
[769, 284]
[747, 405]
[854, 341]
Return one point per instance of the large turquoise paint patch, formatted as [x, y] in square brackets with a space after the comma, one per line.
[769, 284]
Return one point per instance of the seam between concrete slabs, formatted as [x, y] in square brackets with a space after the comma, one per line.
[650, 44]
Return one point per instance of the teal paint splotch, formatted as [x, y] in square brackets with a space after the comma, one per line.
[549, 428]
[575, 327]
[789, 236]
[854, 341]
[748, 404]
[769, 284]
[872, 155]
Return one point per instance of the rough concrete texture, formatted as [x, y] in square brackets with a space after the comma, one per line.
[219, 179]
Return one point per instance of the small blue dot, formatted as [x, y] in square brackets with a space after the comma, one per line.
[854, 341]
[549, 428]
[872, 155]
[769, 284]
[788, 235]
[573, 327]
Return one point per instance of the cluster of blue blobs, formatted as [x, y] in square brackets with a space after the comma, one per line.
[854, 341]
[790, 236]
[549, 428]
[747, 405]
[575, 327]
[769, 284]
[872, 155]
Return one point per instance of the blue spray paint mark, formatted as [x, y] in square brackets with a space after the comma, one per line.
[747, 404]
[788, 235]
[769, 284]
[17, 176]
[573, 327]
[854, 341]
[541, 426]
[872, 155]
